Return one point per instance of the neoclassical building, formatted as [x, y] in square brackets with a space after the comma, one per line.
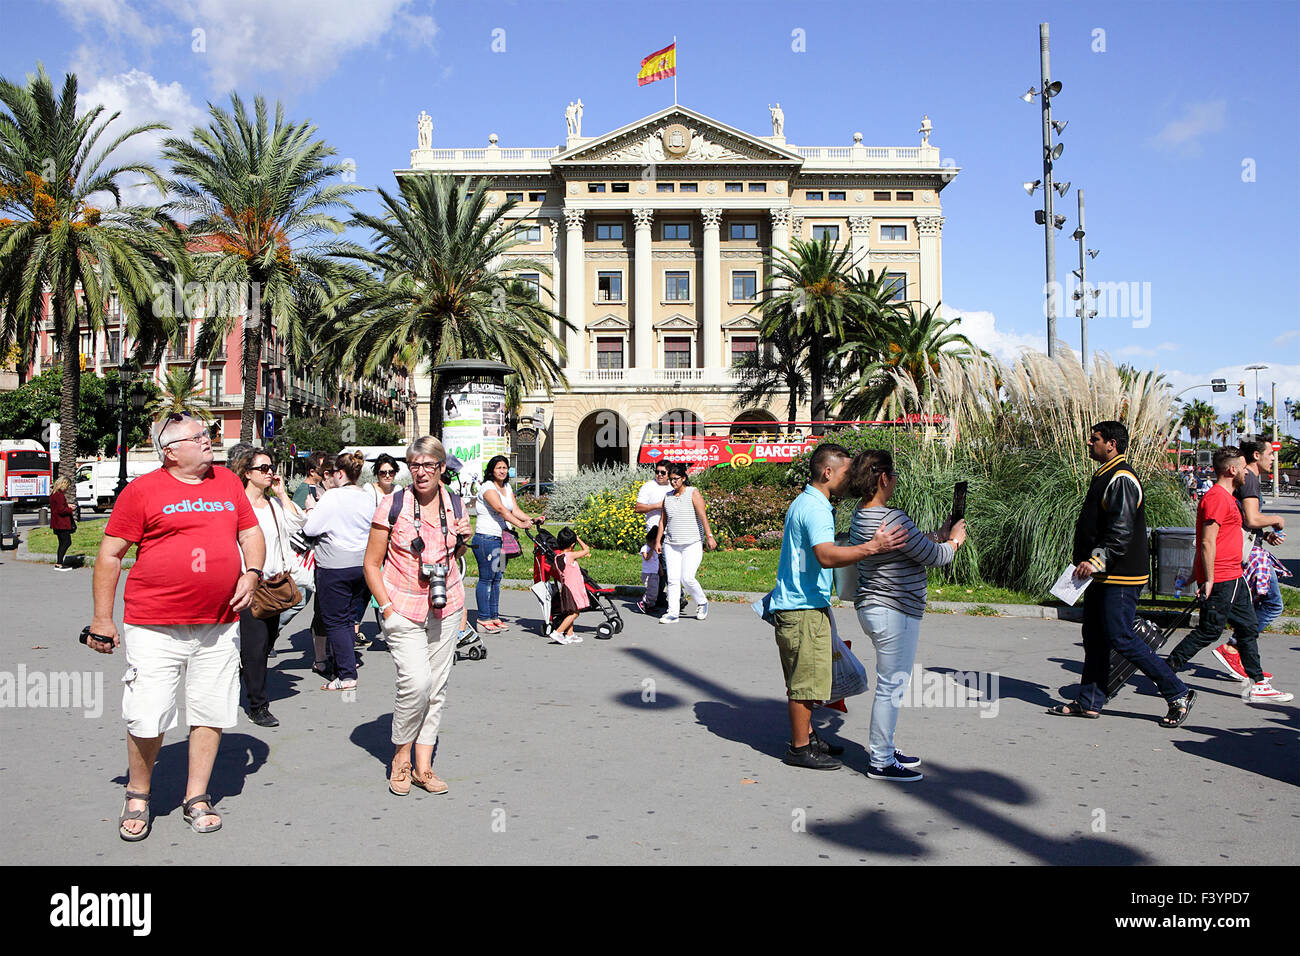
[659, 236]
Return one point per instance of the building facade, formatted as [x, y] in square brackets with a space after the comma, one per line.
[660, 237]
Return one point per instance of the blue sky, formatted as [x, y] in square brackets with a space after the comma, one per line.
[1164, 105]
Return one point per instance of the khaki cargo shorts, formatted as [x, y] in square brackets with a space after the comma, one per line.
[803, 637]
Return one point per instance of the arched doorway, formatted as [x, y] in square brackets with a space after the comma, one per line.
[755, 425]
[679, 423]
[603, 440]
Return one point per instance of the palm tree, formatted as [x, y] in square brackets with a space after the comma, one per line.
[51, 164]
[905, 346]
[812, 293]
[776, 368]
[437, 288]
[262, 201]
[182, 393]
[1199, 419]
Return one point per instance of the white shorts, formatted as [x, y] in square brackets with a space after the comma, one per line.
[158, 657]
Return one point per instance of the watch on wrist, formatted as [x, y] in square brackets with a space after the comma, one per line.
[257, 571]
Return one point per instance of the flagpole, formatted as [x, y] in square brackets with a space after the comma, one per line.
[674, 69]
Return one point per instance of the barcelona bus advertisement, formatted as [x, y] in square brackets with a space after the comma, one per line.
[703, 445]
[24, 473]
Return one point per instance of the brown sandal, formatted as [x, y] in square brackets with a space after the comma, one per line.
[1072, 709]
[127, 835]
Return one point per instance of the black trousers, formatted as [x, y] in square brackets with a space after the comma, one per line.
[1229, 603]
[65, 542]
[256, 635]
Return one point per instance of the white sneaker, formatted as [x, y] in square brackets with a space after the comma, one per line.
[702, 611]
[1264, 692]
[668, 619]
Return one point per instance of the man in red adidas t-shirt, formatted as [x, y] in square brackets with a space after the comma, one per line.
[1218, 572]
[194, 530]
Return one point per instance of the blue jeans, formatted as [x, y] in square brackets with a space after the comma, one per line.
[339, 590]
[491, 569]
[1269, 607]
[1108, 613]
[895, 636]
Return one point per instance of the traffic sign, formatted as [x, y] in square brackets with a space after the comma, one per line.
[1277, 446]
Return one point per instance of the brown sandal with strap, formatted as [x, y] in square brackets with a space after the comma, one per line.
[192, 814]
[144, 815]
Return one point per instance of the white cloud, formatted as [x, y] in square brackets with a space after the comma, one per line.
[1287, 378]
[981, 328]
[118, 19]
[1197, 121]
[1285, 337]
[1137, 351]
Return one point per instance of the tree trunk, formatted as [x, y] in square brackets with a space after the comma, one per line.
[70, 384]
[252, 349]
[817, 385]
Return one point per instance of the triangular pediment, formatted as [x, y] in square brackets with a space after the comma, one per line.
[742, 323]
[677, 135]
[676, 323]
[610, 323]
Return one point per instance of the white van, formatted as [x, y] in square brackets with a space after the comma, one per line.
[97, 480]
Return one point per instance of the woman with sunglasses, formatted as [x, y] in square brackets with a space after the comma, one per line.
[341, 520]
[425, 534]
[495, 511]
[891, 599]
[278, 518]
[683, 533]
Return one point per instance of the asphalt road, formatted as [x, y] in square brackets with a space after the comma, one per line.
[660, 746]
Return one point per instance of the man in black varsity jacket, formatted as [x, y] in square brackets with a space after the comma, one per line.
[1110, 546]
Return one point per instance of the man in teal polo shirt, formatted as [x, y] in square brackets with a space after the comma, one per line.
[802, 598]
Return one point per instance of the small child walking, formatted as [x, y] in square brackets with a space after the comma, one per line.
[573, 594]
[649, 572]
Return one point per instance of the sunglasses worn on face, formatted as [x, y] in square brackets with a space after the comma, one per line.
[386, 473]
[264, 469]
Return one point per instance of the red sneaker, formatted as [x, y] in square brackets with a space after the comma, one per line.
[1230, 658]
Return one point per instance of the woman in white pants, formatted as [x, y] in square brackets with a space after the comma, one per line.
[683, 533]
[421, 637]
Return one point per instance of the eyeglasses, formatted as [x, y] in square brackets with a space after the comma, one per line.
[385, 473]
[677, 478]
[661, 474]
[264, 469]
[202, 438]
[425, 465]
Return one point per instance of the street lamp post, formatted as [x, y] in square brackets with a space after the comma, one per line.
[126, 399]
[1047, 217]
[1255, 418]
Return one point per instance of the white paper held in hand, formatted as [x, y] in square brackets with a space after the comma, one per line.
[1068, 587]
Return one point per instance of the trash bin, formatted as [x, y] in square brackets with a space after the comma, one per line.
[8, 531]
[42, 517]
[1173, 550]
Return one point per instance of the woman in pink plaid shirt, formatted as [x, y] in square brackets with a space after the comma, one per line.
[420, 637]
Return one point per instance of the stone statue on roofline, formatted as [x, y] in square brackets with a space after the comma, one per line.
[424, 130]
[778, 119]
[925, 129]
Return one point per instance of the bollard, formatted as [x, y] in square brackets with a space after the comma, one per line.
[43, 517]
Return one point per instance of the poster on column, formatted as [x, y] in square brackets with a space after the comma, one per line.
[473, 427]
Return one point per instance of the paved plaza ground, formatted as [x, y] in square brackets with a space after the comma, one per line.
[662, 746]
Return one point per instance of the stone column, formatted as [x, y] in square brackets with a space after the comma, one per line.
[780, 228]
[860, 230]
[928, 229]
[643, 299]
[575, 288]
[711, 287]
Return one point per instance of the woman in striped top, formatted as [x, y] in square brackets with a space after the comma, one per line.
[891, 599]
[683, 533]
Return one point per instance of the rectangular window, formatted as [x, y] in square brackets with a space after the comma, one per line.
[826, 232]
[537, 197]
[744, 286]
[609, 230]
[609, 352]
[758, 187]
[533, 280]
[677, 287]
[528, 233]
[664, 187]
[114, 344]
[514, 197]
[595, 187]
[677, 352]
[690, 187]
[735, 187]
[903, 197]
[215, 387]
[835, 196]
[880, 196]
[677, 230]
[744, 230]
[811, 196]
[609, 286]
[898, 286]
[893, 233]
[618, 187]
[743, 347]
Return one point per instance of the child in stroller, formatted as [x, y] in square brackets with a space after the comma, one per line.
[549, 582]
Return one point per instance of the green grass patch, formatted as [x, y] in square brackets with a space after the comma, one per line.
[85, 540]
[981, 610]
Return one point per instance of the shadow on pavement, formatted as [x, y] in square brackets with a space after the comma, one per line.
[239, 757]
[1271, 751]
[376, 738]
[1009, 688]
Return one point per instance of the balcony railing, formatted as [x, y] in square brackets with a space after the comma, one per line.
[724, 377]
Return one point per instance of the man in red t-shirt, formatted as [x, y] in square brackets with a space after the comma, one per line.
[194, 530]
[1218, 574]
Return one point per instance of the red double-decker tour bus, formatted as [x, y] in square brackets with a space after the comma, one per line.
[24, 473]
[739, 444]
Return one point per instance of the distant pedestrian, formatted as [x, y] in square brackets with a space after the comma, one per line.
[190, 521]
[684, 532]
[801, 600]
[495, 511]
[62, 520]
[649, 499]
[341, 520]
[1218, 574]
[309, 490]
[1110, 547]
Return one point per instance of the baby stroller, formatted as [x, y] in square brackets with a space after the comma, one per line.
[546, 585]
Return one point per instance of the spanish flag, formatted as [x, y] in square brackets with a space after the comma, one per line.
[658, 65]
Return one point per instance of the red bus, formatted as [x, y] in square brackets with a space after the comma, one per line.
[24, 473]
[733, 444]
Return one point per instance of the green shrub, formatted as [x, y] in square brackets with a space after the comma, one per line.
[753, 512]
[761, 475]
[570, 495]
[608, 521]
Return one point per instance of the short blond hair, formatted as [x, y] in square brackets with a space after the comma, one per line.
[428, 445]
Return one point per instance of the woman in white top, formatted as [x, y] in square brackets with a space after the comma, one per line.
[278, 518]
[683, 532]
[341, 520]
[495, 511]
